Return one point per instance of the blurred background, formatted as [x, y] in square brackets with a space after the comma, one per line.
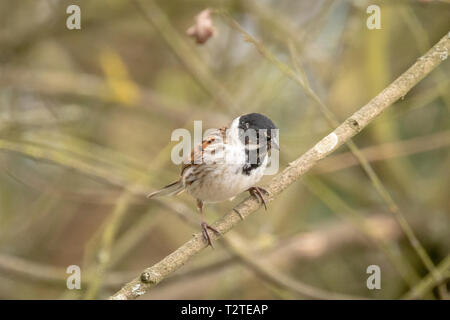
[86, 118]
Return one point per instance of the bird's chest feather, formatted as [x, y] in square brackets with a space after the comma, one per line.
[222, 176]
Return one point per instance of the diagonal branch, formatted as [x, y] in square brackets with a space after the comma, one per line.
[349, 128]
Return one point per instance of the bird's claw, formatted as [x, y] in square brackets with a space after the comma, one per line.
[205, 234]
[257, 192]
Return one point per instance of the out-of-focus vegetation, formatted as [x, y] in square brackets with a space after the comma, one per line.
[86, 118]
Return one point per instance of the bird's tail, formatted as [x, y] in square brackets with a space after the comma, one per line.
[171, 189]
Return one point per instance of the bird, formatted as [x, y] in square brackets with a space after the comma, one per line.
[229, 160]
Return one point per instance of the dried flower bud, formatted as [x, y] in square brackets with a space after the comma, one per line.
[203, 28]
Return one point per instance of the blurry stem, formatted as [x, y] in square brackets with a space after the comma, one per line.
[283, 26]
[286, 28]
[336, 204]
[270, 274]
[387, 151]
[423, 43]
[35, 271]
[35, 151]
[87, 150]
[151, 276]
[108, 236]
[422, 99]
[332, 119]
[186, 54]
[298, 249]
[324, 240]
[303, 247]
[140, 228]
[113, 223]
[262, 267]
[429, 282]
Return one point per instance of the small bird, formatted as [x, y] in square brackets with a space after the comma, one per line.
[230, 160]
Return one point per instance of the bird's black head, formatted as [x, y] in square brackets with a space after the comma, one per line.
[260, 125]
[258, 134]
[255, 121]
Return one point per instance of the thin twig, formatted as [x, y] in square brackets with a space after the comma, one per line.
[349, 128]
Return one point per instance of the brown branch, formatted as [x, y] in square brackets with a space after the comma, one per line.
[349, 128]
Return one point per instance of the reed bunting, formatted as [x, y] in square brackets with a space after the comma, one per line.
[229, 160]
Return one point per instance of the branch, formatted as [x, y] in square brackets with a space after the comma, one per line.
[349, 128]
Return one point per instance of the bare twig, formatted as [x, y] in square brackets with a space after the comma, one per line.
[349, 128]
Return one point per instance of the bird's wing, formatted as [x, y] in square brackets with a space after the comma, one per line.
[197, 155]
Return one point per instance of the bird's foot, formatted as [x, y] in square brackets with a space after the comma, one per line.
[205, 234]
[257, 192]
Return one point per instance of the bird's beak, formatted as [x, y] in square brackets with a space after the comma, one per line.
[274, 145]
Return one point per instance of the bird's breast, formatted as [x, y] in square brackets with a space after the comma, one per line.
[222, 180]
